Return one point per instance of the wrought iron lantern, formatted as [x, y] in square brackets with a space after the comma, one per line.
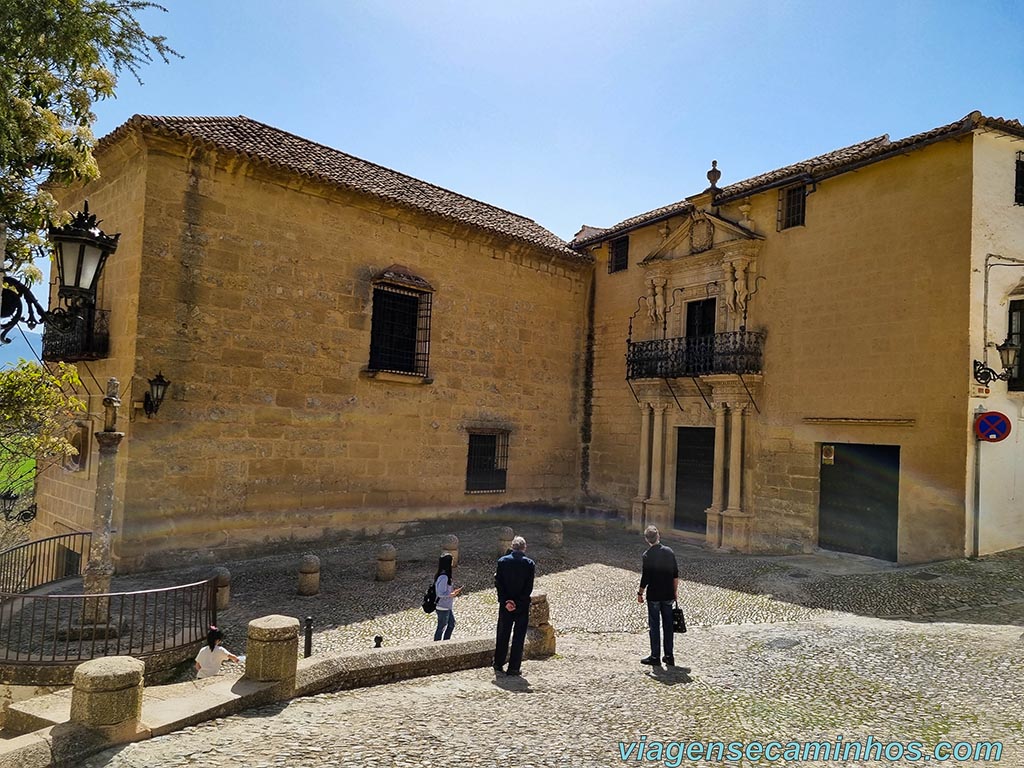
[155, 397]
[1008, 354]
[81, 249]
[8, 499]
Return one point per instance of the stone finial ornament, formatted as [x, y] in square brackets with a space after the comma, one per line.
[714, 175]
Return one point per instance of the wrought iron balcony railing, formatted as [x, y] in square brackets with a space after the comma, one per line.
[84, 338]
[736, 352]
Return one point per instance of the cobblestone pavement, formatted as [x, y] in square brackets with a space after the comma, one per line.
[779, 649]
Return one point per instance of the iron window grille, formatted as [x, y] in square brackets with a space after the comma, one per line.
[618, 260]
[792, 206]
[1016, 336]
[487, 465]
[400, 333]
[1018, 196]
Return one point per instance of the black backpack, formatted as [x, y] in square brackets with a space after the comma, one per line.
[430, 599]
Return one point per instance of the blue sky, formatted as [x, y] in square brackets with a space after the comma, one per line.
[583, 112]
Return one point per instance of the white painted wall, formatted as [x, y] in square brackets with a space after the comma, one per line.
[998, 228]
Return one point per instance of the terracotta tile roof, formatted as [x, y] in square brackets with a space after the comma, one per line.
[265, 144]
[817, 168]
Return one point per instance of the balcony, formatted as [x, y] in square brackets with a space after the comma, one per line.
[736, 352]
[80, 338]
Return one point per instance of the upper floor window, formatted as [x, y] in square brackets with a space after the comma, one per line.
[618, 259]
[1016, 336]
[700, 318]
[1018, 195]
[487, 464]
[792, 205]
[400, 333]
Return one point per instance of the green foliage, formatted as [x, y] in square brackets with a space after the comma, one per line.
[57, 58]
[36, 412]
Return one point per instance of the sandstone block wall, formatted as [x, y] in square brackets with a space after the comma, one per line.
[253, 291]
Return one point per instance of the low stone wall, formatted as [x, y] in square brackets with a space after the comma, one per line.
[387, 665]
[106, 708]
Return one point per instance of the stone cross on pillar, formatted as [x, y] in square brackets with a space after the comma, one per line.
[100, 568]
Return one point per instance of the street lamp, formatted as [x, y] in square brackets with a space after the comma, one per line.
[155, 397]
[81, 250]
[1008, 352]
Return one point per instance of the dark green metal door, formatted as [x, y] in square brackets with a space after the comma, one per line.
[858, 510]
[695, 467]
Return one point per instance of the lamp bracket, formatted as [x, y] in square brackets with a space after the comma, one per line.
[985, 375]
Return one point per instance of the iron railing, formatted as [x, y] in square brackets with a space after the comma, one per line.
[38, 563]
[86, 338]
[735, 352]
[45, 630]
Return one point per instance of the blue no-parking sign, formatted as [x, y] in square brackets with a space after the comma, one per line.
[992, 426]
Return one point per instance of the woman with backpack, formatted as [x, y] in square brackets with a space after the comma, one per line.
[445, 597]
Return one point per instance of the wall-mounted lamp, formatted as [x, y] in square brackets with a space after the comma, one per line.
[7, 501]
[155, 397]
[1008, 353]
[81, 249]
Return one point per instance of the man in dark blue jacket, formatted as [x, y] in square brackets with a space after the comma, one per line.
[660, 577]
[514, 581]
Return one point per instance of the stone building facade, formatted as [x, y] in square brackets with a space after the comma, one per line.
[337, 337]
[767, 366]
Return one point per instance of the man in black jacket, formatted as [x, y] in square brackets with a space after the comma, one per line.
[514, 581]
[661, 579]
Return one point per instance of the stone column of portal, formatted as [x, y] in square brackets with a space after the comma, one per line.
[643, 483]
[658, 459]
[714, 512]
[736, 524]
[736, 461]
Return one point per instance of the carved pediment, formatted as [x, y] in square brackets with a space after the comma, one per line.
[701, 233]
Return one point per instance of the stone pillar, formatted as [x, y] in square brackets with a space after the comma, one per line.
[505, 536]
[309, 575]
[450, 543]
[736, 460]
[540, 633]
[714, 512]
[555, 533]
[643, 482]
[108, 692]
[737, 524]
[100, 569]
[386, 562]
[223, 577]
[658, 452]
[272, 652]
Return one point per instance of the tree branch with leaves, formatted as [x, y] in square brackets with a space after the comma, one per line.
[57, 58]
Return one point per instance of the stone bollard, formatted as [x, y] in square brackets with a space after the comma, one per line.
[543, 643]
[309, 575]
[386, 562]
[107, 692]
[450, 544]
[223, 577]
[555, 533]
[272, 652]
[505, 536]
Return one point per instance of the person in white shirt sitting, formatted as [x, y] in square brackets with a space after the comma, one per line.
[212, 655]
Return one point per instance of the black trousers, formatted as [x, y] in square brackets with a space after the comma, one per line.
[511, 625]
